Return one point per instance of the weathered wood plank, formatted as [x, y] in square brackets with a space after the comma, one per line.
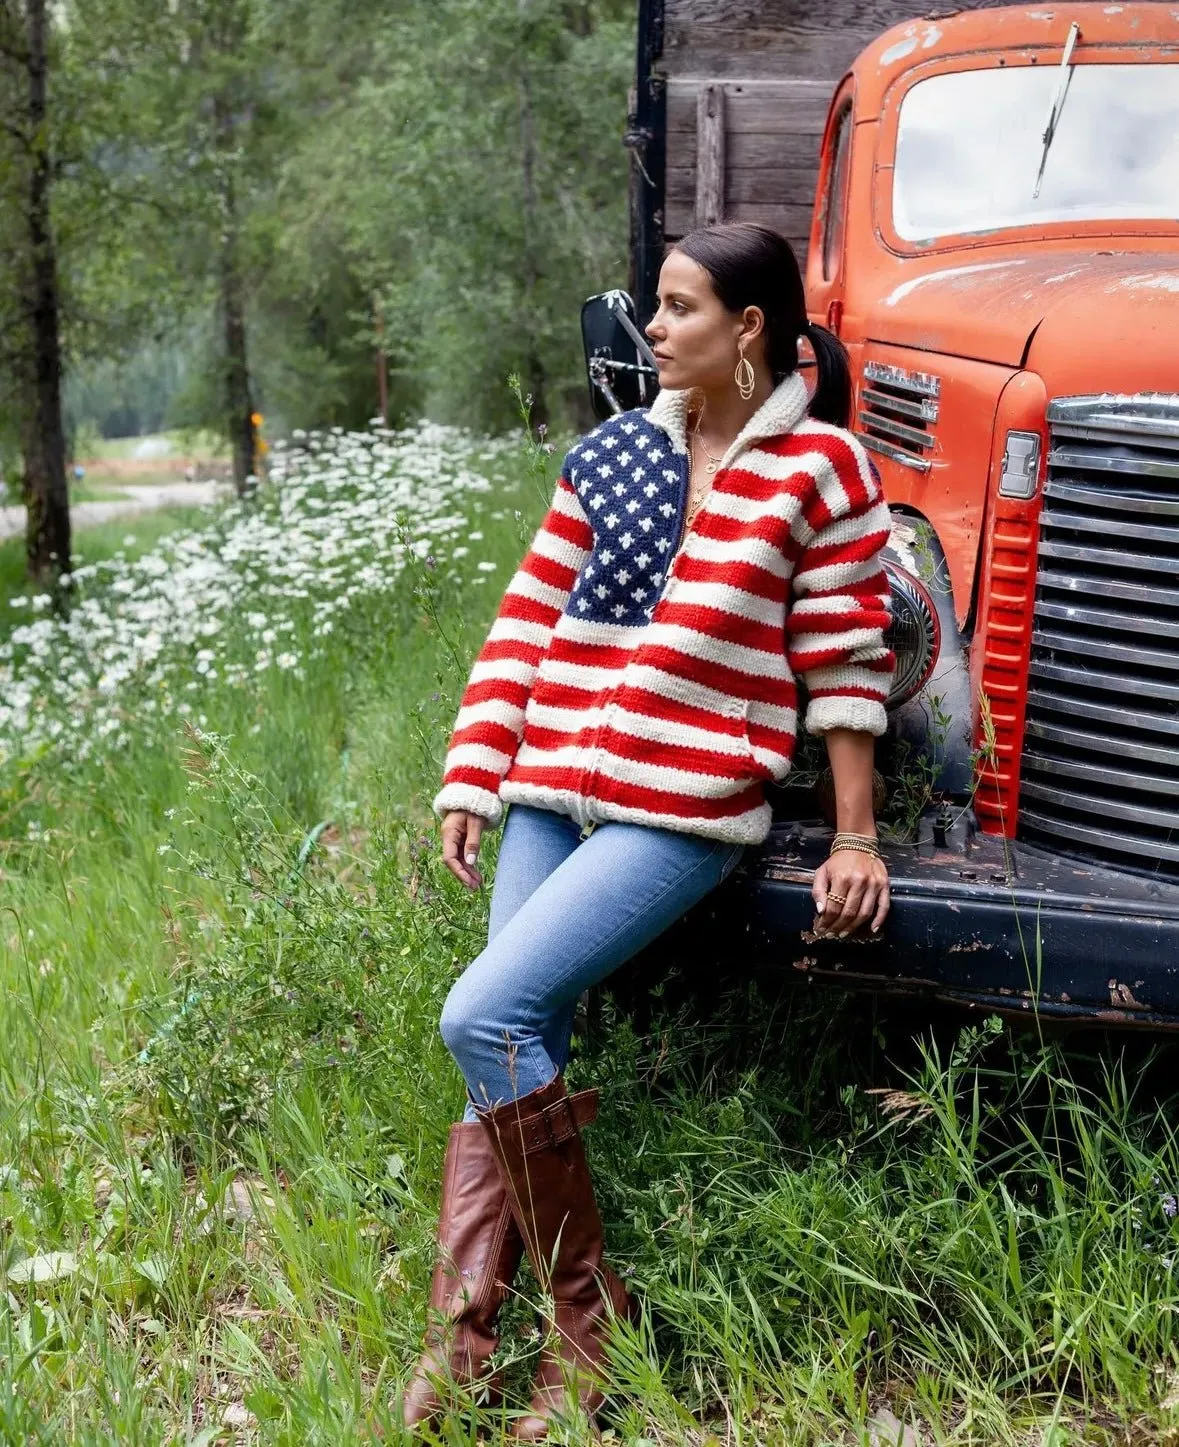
[782, 107]
[715, 51]
[794, 185]
[790, 219]
[877, 15]
[710, 153]
[747, 149]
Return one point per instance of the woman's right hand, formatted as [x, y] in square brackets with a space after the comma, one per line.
[461, 833]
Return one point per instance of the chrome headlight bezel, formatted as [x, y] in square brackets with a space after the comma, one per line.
[914, 634]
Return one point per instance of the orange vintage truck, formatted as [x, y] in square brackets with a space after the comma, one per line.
[995, 236]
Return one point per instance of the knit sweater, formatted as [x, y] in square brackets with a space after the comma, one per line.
[627, 678]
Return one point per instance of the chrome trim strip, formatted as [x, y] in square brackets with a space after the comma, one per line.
[1087, 617]
[1158, 723]
[1100, 840]
[1075, 586]
[1109, 682]
[923, 411]
[911, 435]
[1147, 562]
[1153, 413]
[1135, 464]
[1068, 491]
[924, 384]
[1103, 808]
[1110, 527]
[886, 449]
[1103, 648]
[1103, 774]
[1078, 739]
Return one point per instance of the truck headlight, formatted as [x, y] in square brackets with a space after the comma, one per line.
[914, 635]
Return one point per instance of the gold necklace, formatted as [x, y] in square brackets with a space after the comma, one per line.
[713, 462]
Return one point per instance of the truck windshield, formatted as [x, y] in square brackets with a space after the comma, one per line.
[969, 147]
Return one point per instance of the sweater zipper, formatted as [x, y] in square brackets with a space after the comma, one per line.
[685, 478]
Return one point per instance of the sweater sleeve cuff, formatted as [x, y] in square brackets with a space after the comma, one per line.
[843, 711]
[470, 798]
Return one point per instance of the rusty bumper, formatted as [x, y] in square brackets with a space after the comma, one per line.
[987, 923]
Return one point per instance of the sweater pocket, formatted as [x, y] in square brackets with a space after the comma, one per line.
[768, 729]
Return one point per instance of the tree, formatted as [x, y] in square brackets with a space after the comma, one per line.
[32, 350]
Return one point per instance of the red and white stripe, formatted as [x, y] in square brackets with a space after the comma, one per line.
[680, 721]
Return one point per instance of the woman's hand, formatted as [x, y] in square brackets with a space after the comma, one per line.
[461, 833]
[862, 881]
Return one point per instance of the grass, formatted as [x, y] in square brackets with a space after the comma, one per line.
[224, 1101]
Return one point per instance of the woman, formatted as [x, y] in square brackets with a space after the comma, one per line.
[635, 694]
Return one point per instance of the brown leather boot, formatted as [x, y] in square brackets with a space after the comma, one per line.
[541, 1154]
[479, 1249]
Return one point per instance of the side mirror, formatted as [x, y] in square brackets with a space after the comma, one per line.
[619, 363]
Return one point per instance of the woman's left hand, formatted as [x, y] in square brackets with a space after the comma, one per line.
[862, 881]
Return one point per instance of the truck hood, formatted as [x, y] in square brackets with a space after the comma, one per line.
[1086, 307]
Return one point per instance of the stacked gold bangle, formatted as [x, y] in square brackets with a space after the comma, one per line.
[865, 843]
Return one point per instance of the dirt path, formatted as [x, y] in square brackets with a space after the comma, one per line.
[139, 499]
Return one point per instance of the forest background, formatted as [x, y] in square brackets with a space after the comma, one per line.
[211, 209]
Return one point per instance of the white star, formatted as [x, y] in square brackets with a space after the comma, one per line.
[623, 576]
[609, 442]
[639, 594]
[633, 505]
[657, 578]
[590, 455]
[640, 472]
[625, 540]
[663, 545]
[628, 427]
[669, 474]
[646, 524]
[607, 557]
[589, 570]
[597, 500]
[655, 454]
[619, 488]
[605, 470]
[611, 520]
[619, 609]
[651, 489]
[601, 590]
[642, 560]
[582, 604]
[667, 509]
[624, 458]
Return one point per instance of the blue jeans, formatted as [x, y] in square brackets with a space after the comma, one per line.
[565, 913]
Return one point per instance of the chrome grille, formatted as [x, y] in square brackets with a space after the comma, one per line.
[1100, 773]
[896, 413]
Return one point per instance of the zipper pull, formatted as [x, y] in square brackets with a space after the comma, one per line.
[588, 828]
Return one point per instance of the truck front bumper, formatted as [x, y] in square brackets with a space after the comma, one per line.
[989, 924]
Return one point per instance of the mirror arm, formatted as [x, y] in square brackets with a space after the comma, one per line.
[631, 330]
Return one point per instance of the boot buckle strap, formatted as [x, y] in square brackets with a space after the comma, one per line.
[559, 1122]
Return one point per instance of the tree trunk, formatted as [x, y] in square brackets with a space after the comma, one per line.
[534, 367]
[47, 537]
[239, 403]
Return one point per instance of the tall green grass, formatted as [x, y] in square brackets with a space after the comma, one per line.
[224, 1102]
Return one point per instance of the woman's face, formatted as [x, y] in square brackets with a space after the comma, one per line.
[693, 336]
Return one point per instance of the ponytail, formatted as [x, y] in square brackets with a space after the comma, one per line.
[831, 400]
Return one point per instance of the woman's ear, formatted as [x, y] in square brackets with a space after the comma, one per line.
[753, 325]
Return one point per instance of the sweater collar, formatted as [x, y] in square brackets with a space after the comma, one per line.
[781, 412]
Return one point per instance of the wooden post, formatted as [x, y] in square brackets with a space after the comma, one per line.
[710, 154]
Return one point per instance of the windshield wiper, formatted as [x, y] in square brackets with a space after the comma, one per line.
[1062, 85]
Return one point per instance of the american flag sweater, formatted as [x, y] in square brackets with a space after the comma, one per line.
[626, 677]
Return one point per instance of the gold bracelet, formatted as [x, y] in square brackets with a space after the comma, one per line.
[865, 843]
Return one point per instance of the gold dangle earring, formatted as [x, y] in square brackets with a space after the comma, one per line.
[744, 377]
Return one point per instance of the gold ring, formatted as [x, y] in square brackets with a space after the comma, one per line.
[839, 898]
